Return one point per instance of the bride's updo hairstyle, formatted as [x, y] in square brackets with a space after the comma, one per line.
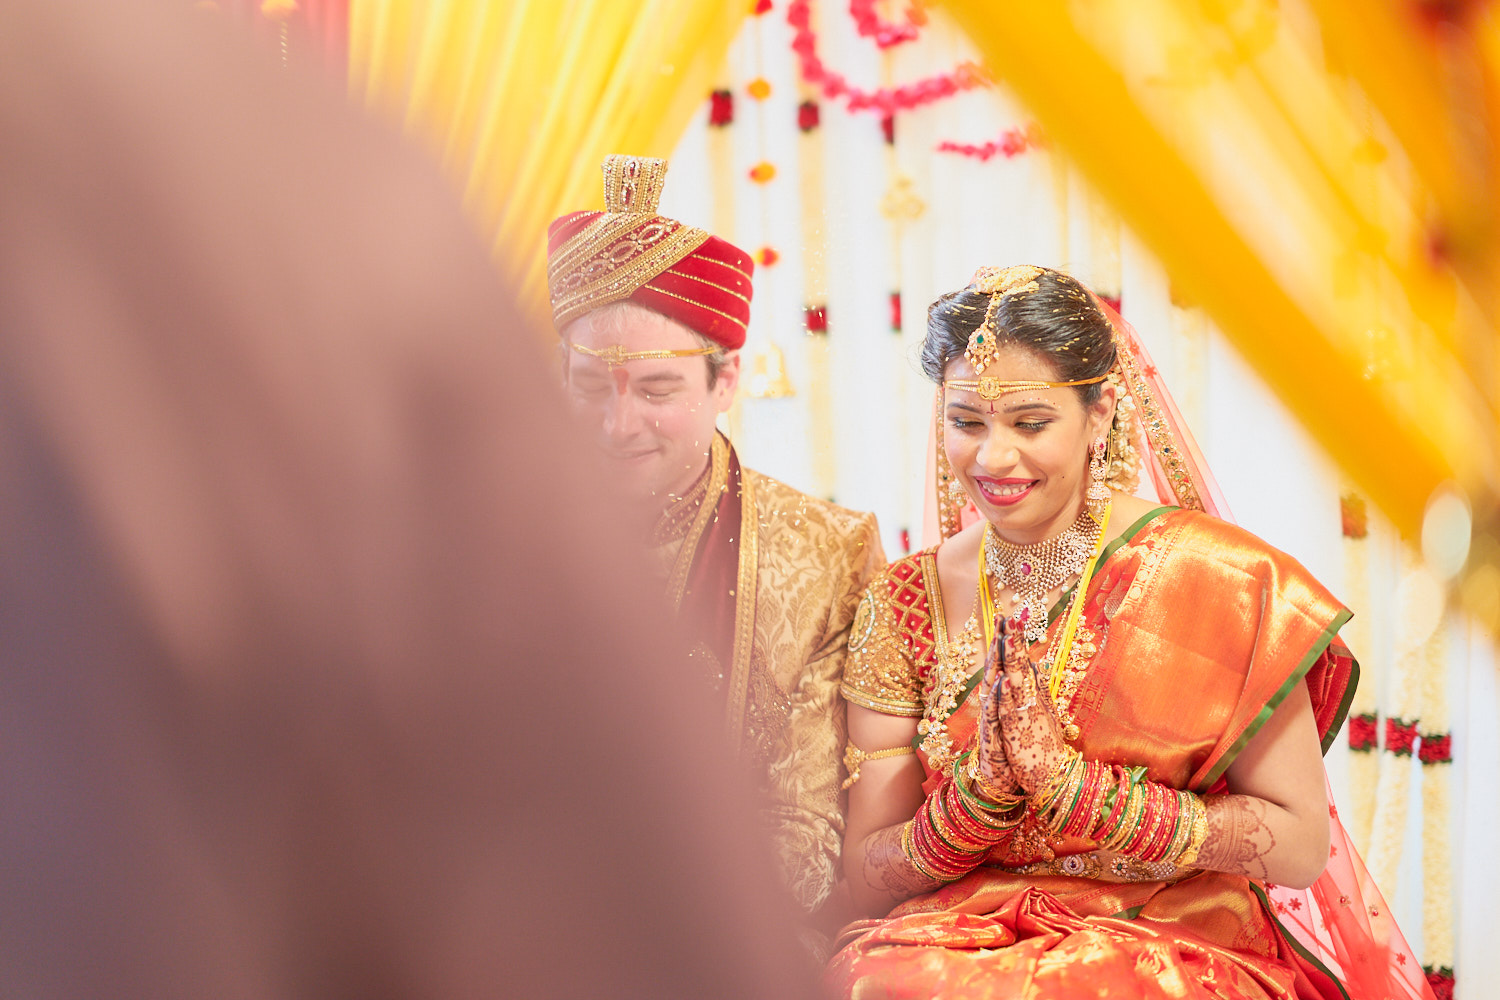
[1046, 312]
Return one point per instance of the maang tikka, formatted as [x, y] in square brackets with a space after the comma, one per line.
[984, 343]
[997, 283]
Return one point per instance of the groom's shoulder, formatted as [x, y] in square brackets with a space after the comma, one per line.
[783, 508]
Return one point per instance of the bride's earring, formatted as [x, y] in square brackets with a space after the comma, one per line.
[1098, 493]
[956, 492]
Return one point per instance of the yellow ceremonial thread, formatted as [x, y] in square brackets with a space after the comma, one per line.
[986, 599]
[1055, 681]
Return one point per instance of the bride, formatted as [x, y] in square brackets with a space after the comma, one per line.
[1086, 731]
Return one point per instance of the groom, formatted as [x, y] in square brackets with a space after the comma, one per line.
[652, 314]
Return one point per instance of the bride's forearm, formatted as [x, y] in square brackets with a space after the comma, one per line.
[881, 873]
[1250, 836]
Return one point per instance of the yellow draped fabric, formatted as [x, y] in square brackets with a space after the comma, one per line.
[523, 99]
[1316, 175]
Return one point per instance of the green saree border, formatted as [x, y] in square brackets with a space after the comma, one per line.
[1114, 546]
[1126, 537]
[1263, 716]
[1343, 710]
[1062, 601]
[1296, 945]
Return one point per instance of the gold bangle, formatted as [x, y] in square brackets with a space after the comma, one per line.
[1200, 834]
[1051, 790]
[854, 759]
[910, 850]
[970, 781]
[1130, 819]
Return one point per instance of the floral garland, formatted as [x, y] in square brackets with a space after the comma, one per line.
[1436, 755]
[1012, 143]
[886, 100]
[817, 349]
[1364, 720]
[1393, 788]
[1124, 471]
[867, 21]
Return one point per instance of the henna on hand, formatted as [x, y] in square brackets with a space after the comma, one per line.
[1033, 740]
[1239, 838]
[887, 868]
[989, 748]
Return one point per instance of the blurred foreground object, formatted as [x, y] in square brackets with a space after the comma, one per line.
[297, 697]
[522, 100]
[1320, 176]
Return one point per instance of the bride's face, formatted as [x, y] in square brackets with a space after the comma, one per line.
[1023, 458]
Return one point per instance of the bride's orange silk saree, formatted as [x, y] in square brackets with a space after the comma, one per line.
[1199, 631]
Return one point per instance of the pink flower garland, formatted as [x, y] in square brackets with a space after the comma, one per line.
[886, 35]
[1013, 142]
[885, 100]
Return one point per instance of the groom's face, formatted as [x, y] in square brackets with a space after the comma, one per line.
[653, 420]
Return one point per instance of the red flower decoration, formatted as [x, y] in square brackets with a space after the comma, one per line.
[1363, 732]
[767, 256]
[815, 318]
[808, 116]
[720, 108]
[1295, 903]
[1112, 301]
[896, 311]
[761, 7]
[1400, 736]
[905, 541]
[888, 129]
[1437, 748]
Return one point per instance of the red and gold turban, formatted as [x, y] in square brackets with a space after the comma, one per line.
[629, 252]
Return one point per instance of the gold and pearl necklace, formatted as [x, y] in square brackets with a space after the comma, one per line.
[1034, 571]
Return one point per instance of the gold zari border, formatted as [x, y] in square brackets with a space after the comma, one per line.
[590, 271]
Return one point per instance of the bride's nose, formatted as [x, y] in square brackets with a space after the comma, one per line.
[998, 451]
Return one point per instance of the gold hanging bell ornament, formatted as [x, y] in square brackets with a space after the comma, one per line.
[768, 378]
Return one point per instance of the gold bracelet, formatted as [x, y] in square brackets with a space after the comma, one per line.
[910, 850]
[1046, 797]
[1200, 833]
[971, 783]
[854, 759]
[979, 787]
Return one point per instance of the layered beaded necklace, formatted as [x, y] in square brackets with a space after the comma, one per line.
[1034, 571]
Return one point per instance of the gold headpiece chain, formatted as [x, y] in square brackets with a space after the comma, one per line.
[615, 355]
[992, 388]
